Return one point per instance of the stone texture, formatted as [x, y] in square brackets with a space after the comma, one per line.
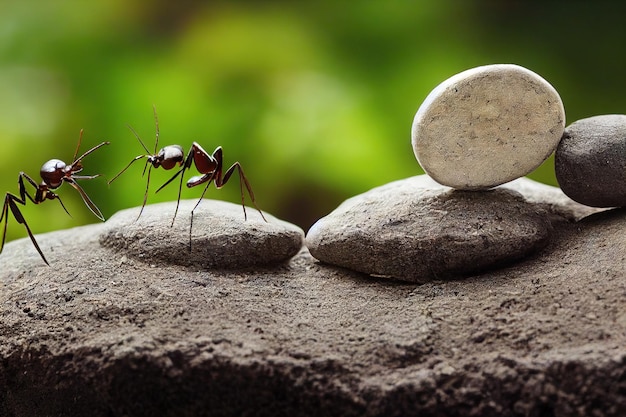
[590, 161]
[101, 334]
[221, 238]
[551, 199]
[487, 126]
[418, 230]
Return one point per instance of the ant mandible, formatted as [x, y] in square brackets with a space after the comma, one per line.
[53, 173]
[211, 167]
[167, 158]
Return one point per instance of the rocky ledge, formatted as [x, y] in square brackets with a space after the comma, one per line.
[104, 331]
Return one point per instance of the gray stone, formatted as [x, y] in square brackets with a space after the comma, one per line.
[551, 199]
[221, 238]
[102, 334]
[487, 126]
[590, 161]
[416, 230]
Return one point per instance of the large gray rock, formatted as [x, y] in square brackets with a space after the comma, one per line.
[487, 126]
[102, 334]
[417, 230]
[590, 161]
[220, 236]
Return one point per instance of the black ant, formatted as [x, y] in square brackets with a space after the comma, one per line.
[53, 173]
[167, 158]
[211, 167]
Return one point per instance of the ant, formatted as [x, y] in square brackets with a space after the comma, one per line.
[211, 167]
[167, 158]
[53, 173]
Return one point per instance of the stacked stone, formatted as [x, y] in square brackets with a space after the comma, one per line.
[479, 129]
[487, 126]
[590, 161]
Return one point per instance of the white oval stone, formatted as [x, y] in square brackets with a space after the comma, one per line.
[487, 126]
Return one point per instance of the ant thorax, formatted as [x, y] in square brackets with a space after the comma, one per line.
[168, 157]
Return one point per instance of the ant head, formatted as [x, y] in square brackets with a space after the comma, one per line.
[52, 173]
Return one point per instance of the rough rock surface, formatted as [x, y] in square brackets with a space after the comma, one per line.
[220, 236]
[590, 161]
[417, 230]
[102, 334]
[487, 126]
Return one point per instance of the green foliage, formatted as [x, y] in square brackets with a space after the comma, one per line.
[315, 99]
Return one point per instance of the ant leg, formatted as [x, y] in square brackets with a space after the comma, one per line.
[5, 219]
[94, 209]
[208, 178]
[57, 197]
[40, 197]
[181, 172]
[24, 193]
[9, 201]
[180, 188]
[219, 182]
[86, 177]
[190, 228]
[145, 195]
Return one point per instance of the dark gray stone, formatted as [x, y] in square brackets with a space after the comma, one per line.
[220, 238]
[590, 161]
[416, 230]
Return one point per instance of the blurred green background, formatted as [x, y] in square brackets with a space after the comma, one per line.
[315, 99]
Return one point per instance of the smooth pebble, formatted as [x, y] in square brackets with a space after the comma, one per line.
[416, 230]
[221, 238]
[487, 126]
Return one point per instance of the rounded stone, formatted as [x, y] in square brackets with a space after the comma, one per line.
[487, 126]
[590, 161]
[413, 231]
[220, 237]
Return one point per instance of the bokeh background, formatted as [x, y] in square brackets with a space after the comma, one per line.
[314, 98]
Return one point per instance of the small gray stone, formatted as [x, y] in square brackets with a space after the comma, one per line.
[487, 126]
[590, 161]
[415, 230]
[221, 238]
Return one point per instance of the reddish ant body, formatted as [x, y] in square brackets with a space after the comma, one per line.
[211, 167]
[53, 173]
